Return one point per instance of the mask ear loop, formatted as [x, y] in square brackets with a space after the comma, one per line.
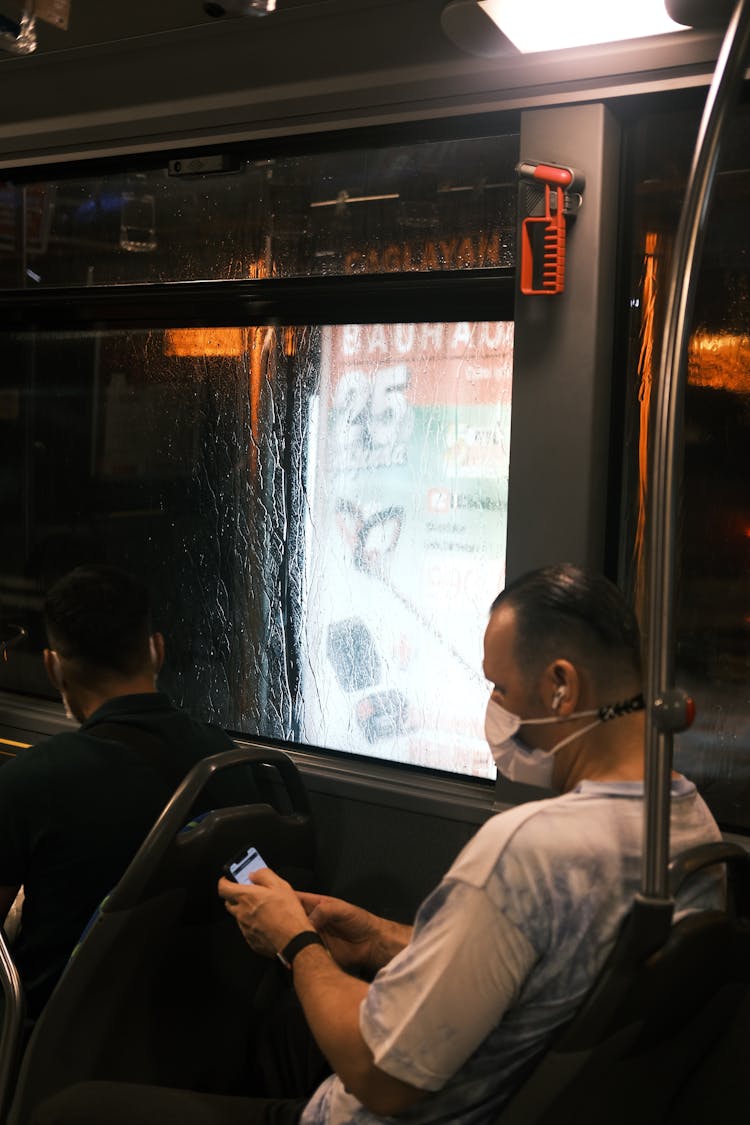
[576, 733]
[564, 719]
[603, 715]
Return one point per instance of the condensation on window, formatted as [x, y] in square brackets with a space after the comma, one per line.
[319, 512]
[439, 205]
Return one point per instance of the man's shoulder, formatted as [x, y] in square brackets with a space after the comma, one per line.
[156, 713]
[527, 820]
[180, 714]
[216, 738]
[41, 759]
[528, 834]
[505, 830]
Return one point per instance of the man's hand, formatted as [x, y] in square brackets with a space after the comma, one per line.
[269, 914]
[267, 911]
[355, 938]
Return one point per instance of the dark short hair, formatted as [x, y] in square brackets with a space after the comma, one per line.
[563, 611]
[99, 615]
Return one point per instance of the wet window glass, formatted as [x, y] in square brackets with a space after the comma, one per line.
[423, 207]
[408, 515]
[713, 644]
[320, 513]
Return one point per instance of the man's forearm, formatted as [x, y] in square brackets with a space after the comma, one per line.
[269, 914]
[390, 939]
[331, 1000]
[356, 939]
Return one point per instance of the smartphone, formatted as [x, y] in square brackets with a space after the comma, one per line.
[239, 868]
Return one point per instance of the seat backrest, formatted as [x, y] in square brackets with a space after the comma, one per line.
[653, 1014]
[716, 1088]
[161, 987]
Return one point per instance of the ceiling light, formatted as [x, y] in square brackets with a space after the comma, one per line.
[548, 25]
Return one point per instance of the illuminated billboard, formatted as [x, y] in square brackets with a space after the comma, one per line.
[407, 483]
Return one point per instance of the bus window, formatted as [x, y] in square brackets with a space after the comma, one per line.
[418, 208]
[713, 641]
[320, 512]
[410, 436]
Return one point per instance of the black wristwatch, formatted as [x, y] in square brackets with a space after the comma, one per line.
[292, 948]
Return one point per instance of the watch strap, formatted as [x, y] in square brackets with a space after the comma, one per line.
[292, 948]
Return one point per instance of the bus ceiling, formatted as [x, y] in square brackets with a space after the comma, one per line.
[179, 73]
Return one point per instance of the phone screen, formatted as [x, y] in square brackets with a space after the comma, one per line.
[240, 868]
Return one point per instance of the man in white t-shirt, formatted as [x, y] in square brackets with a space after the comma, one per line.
[504, 950]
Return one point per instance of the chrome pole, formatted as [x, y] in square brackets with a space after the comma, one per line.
[666, 707]
[12, 1025]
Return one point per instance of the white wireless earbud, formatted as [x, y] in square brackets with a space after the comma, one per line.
[558, 697]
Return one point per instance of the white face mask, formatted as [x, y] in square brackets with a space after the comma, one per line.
[519, 762]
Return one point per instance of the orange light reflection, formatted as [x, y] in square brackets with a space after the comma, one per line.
[205, 341]
[645, 382]
[720, 361]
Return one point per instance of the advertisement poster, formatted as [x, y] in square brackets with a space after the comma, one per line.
[407, 484]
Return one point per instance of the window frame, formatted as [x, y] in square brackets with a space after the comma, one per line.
[448, 296]
[444, 297]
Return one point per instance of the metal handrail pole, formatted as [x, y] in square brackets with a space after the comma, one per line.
[667, 447]
[12, 1024]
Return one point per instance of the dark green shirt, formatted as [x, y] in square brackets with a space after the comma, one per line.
[74, 810]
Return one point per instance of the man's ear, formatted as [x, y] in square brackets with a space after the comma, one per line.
[156, 649]
[562, 687]
[53, 669]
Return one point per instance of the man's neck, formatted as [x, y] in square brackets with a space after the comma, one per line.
[612, 751]
[89, 700]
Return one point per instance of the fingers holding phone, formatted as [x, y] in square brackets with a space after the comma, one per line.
[349, 931]
[239, 869]
[264, 906]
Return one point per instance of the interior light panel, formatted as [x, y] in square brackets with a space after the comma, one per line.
[548, 25]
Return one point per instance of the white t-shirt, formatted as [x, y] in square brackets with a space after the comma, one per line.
[506, 947]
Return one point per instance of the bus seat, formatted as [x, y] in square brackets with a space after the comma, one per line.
[716, 1090]
[162, 985]
[654, 1016]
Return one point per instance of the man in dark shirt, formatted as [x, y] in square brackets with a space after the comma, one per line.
[75, 808]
